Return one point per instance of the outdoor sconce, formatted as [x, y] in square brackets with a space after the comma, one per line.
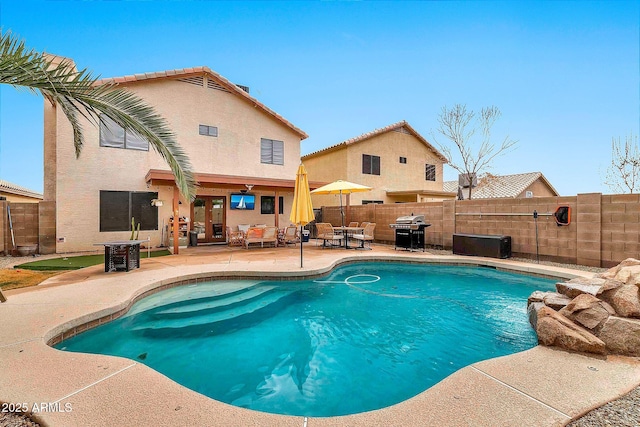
[563, 215]
[156, 202]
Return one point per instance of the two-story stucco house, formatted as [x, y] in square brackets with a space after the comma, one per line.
[244, 155]
[395, 161]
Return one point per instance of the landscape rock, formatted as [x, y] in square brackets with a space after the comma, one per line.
[588, 311]
[629, 275]
[625, 300]
[556, 330]
[612, 272]
[622, 336]
[536, 296]
[532, 311]
[580, 285]
[555, 300]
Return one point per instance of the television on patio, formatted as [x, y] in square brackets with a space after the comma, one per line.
[243, 201]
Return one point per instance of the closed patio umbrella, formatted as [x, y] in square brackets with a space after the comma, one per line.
[302, 209]
[341, 187]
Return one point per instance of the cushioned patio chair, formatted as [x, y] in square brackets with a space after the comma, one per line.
[291, 235]
[366, 236]
[234, 237]
[326, 233]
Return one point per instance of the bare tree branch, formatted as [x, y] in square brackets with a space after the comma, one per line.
[623, 174]
[459, 126]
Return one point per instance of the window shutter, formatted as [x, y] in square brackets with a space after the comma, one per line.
[266, 151]
[111, 134]
[375, 165]
[366, 163]
[278, 152]
[143, 212]
[136, 142]
[114, 211]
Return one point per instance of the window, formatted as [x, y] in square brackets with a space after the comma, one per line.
[113, 135]
[403, 160]
[208, 130]
[271, 151]
[430, 172]
[118, 207]
[267, 205]
[370, 164]
[370, 202]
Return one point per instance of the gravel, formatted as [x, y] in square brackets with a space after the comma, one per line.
[623, 412]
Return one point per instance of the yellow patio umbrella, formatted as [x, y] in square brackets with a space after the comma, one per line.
[302, 209]
[341, 187]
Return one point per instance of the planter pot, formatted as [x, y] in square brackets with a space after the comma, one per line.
[24, 250]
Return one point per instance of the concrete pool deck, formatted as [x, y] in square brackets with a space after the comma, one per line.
[538, 387]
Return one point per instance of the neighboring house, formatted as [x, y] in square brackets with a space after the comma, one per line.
[517, 186]
[245, 157]
[396, 161]
[17, 194]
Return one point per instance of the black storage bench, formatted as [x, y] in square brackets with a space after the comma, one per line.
[482, 245]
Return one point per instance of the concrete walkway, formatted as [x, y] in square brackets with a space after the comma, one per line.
[538, 387]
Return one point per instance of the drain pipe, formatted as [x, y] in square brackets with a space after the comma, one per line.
[13, 239]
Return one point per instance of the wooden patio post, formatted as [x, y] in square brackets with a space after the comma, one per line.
[176, 220]
[277, 210]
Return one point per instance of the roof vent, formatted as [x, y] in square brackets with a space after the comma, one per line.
[464, 180]
[528, 194]
[244, 88]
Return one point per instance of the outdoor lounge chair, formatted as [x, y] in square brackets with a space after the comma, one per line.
[366, 236]
[290, 235]
[234, 238]
[326, 233]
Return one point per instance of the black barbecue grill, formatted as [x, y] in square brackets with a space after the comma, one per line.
[410, 232]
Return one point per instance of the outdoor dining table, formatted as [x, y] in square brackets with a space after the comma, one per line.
[347, 231]
[121, 255]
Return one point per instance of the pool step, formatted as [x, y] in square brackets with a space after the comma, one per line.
[191, 294]
[239, 314]
[212, 305]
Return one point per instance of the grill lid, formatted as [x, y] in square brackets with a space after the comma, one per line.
[410, 219]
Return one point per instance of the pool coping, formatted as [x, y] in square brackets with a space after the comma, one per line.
[105, 388]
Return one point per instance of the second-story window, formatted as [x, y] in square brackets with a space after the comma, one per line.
[208, 130]
[271, 151]
[114, 135]
[430, 172]
[370, 164]
[403, 160]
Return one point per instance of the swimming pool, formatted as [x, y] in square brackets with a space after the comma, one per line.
[367, 336]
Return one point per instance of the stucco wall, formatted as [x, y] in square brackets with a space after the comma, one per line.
[236, 151]
[346, 164]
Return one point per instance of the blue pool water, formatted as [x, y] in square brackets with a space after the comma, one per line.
[367, 336]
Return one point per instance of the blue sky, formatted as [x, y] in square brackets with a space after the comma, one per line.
[566, 75]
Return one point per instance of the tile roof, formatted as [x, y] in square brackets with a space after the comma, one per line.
[11, 188]
[499, 186]
[376, 132]
[196, 71]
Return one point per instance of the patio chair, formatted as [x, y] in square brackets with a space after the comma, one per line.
[291, 235]
[353, 224]
[326, 233]
[234, 238]
[366, 236]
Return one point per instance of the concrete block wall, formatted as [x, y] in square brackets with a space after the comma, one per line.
[47, 227]
[604, 229]
[620, 228]
[24, 218]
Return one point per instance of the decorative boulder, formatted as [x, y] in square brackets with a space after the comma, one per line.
[625, 300]
[588, 311]
[532, 311]
[580, 285]
[556, 330]
[613, 272]
[555, 301]
[622, 336]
